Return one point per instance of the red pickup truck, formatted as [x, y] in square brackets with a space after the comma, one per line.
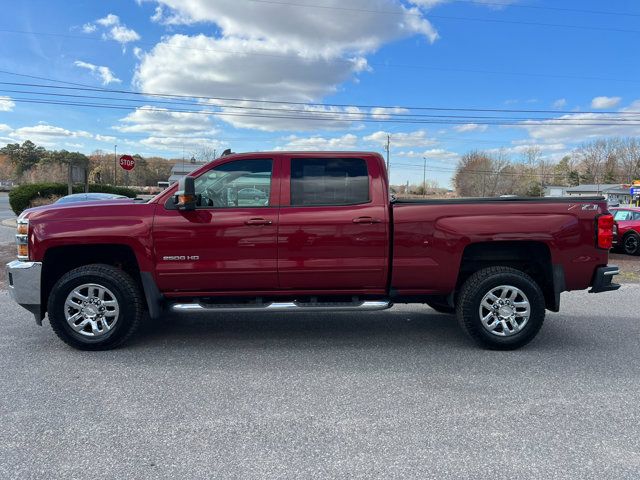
[289, 231]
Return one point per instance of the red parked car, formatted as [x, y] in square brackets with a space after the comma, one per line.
[326, 236]
[628, 235]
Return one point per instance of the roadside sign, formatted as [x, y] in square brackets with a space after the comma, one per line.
[127, 162]
[635, 191]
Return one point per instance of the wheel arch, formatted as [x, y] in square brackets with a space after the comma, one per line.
[61, 259]
[531, 257]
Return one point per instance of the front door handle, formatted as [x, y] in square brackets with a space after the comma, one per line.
[258, 221]
[367, 220]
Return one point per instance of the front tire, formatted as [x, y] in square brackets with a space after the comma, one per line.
[501, 308]
[95, 307]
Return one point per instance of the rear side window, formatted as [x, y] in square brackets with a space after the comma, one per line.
[329, 181]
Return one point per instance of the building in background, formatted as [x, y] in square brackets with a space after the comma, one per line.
[616, 194]
[182, 169]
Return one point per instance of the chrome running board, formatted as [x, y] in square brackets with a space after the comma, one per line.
[367, 305]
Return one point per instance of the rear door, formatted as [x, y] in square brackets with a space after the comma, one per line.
[333, 225]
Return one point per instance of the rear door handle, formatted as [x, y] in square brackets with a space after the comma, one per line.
[258, 221]
[367, 220]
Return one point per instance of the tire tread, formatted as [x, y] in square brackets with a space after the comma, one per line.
[129, 290]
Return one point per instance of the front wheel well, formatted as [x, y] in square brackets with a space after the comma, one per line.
[60, 260]
[532, 258]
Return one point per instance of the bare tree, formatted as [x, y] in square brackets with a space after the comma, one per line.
[629, 159]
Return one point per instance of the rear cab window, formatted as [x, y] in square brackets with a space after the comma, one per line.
[329, 182]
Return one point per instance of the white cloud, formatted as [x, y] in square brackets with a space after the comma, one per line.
[103, 73]
[109, 20]
[160, 121]
[494, 4]
[602, 103]
[137, 52]
[380, 113]
[418, 138]
[105, 138]
[433, 154]
[52, 136]
[6, 104]
[524, 145]
[88, 28]
[560, 103]
[235, 68]
[578, 127]
[123, 35]
[180, 144]
[272, 52]
[345, 142]
[471, 127]
[321, 30]
[115, 30]
[47, 135]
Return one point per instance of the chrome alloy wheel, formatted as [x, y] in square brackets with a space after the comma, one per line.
[504, 310]
[91, 310]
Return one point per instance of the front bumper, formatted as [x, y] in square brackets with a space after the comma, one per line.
[24, 285]
[603, 279]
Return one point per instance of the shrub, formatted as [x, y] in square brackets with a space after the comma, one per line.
[20, 198]
[40, 201]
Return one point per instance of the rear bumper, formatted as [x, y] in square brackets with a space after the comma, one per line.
[603, 279]
[24, 284]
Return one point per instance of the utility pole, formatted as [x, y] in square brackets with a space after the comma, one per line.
[424, 178]
[115, 156]
[388, 148]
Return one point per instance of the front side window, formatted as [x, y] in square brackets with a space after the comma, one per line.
[243, 183]
[329, 181]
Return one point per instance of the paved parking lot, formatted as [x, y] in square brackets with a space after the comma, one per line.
[396, 394]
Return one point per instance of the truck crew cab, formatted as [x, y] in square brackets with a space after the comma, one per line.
[306, 231]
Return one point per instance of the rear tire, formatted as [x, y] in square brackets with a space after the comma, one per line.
[501, 308]
[95, 307]
[631, 244]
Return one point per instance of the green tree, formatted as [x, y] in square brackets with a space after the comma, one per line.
[24, 156]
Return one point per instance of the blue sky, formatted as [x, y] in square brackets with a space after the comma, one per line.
[566, 58]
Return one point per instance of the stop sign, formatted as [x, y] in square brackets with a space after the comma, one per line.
[127, 162]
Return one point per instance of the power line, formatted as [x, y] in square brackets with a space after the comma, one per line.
[83, 87]
[335, 118]
[320, 113]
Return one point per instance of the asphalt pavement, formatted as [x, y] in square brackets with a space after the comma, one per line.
[394, 394]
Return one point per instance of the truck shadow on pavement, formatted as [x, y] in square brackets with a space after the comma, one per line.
[390, 329]
[304, 329]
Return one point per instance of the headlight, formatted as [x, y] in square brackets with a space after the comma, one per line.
[22, 238]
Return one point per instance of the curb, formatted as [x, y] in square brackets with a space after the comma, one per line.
[9, 222]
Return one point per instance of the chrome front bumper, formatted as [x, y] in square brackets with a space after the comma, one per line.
[24, 280]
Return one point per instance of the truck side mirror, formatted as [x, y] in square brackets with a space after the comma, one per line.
[185, 198]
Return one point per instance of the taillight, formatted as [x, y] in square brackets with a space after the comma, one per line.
[604, 232]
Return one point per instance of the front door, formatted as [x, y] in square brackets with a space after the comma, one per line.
[229, 242]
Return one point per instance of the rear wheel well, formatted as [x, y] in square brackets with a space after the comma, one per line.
[60, 260]
[532, 258]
